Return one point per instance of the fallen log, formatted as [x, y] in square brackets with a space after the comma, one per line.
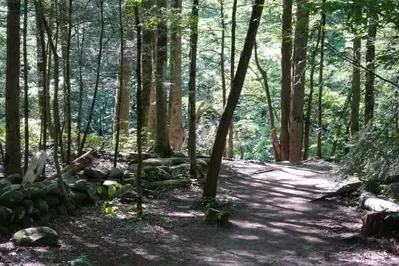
[78, 164]
[343, 190]
[383, 217]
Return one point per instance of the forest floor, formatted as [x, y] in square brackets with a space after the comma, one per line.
[273, 222]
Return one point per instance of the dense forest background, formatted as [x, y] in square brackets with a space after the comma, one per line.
[342, 77]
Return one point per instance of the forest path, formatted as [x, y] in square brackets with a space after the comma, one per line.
[274, 223]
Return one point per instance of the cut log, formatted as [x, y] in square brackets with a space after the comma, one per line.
[343, 190]
[78, 164]
[371, 202]
[35, 168]
[177, 183]
[214, 216]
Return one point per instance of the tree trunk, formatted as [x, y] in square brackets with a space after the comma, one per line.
[162, 146]
[321, 84]
[286, 53]
[355, 86]
[370, 64]
[99, 57]
[68, 108]
[139, 113]
[26, 89]
[81, 85]
[147, 62]
[265, 84]
[222, 71]
[230, 144]
[12, 160]
[176, 131]
[306, 141]
[298, 90]
[192, 123]
[210, 187]
[152, 115]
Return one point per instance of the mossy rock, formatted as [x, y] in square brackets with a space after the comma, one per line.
[62, 210]
[15, 178]
[6, 216]
[152, 173]
[41, 205]
[35, 214]
[37, 190]
[115, 174]
[118, 193]
[11, 198]
[36, 236]
[28, 222]
[44, 219]
[4, 185]
[28, 205]
[51, 200]
[179, 155]
[79, 198]
[80, 185]
[19, 213]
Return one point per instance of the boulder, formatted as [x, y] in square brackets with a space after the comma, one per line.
[4, 185]
[36, 236]
[28, 205]
[115, 174]
[152, 173]
[51, 200]
[11, 197]
[179, 155]
[180, 171]
[19, 214]
[68, 178]
[129, 197]
[62, 210]
[53, 189]
[6, 216]
[15, 178]
[37, 190]
[35, 214]
[28, 222]
[41, 205]
[79, 198]
[131, 181]
[93, 173]
[80, 185]
[118, 193]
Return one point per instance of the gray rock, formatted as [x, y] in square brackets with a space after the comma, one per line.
[79, 198]
[92, 173]
[12, 197]
[3, 231]
[4, 185]
[28, 205]
[15, 179]
[44, 219]
[68, 178]
[6, 216]
[41, 205]
[80, 185]
[179, 155]
[28, 222]
[131, 181]
[62, 210]
[19, 214]
[152, 173]
[35, 214]
[36, 236]
[51, 200]
[115, 174]
[129, 196]
[118, 193]
[53, 189]
[37, 190]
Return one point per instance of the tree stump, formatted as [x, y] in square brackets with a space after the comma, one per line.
[212, 216]
[379, 224]
[35, 168]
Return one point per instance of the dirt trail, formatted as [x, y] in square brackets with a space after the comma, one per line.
[275, 224]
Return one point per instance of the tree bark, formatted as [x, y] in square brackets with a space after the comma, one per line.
[321, 84]
[139, 113]
[370, 64]
[355, 86]
[210, 187]
[26, 89]
[306, 141]
[298, 90]
[276, 148]
[162, 146]
[176, 131]
[81, 85]
[12, 159]
[286, 53]
[192, 123]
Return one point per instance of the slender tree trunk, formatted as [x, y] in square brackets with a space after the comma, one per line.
[192, 122]
[152, 117]
[68, 108]
[26, 89]
[222, 71]
[176, 131]
[321, 84]
[48, 120]
[370, 64]
[147, 62]
[298, 90]
[268, 99]
[310, 99]
[12, 158]
[118, 102]
[162, 146]
[355, 86]
[139, 113]
[230, 144]
[39, 6]
[99, 57]
[286, 53]
[210, 187]
[81, 85]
